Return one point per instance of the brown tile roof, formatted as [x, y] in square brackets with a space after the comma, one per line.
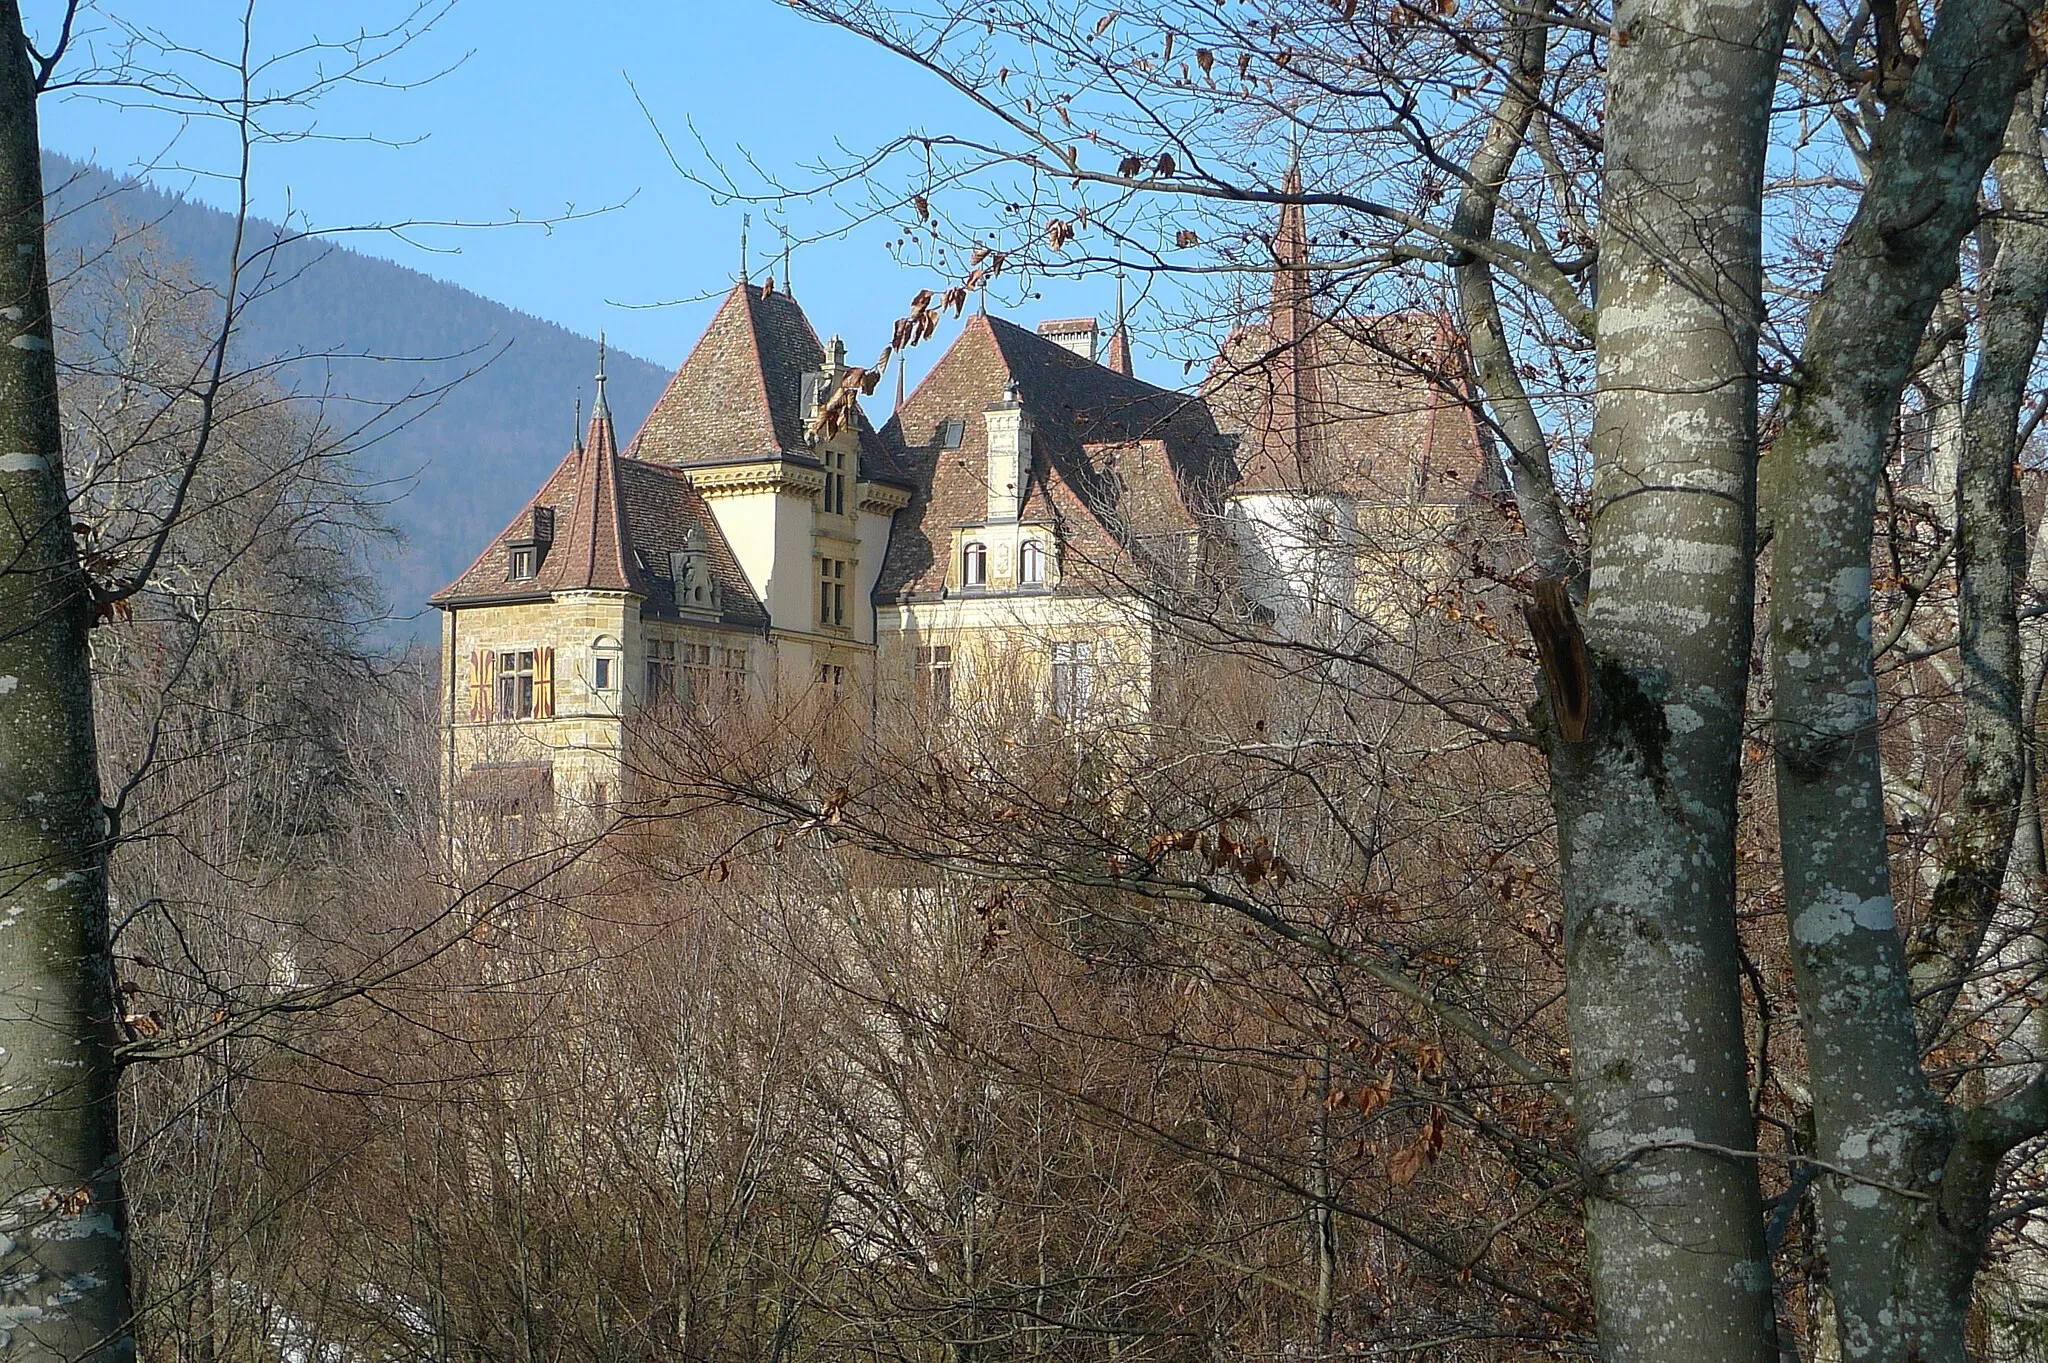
[1377, 407]
[596, 551]
[739, 394]
[661, 507]
[1118, 360]
[1115, 459]
[588, 546]
[615, 522]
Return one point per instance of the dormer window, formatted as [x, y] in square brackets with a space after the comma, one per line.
[523, 555]
[974, 565]
[1031, 564]
[696, 589]
[837, 479]
[950, 433]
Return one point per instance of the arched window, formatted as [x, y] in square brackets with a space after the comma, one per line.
[606, 660]
[1031, 563]
[974, 565]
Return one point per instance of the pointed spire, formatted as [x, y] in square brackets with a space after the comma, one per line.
[1119, 356]
[594, 546]
[1289, 327]
[1290, 261]
[600, 436]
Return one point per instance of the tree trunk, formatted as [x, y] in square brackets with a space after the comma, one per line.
[1901, 1248]
[63, 1252]
[1990, 573]
[1646, 803]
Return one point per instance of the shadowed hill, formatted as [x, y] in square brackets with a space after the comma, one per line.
[363, 332]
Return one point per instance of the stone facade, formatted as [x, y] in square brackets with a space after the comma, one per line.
[1011, 538]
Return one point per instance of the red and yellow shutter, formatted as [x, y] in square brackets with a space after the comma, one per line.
[477, 689]
[487, 694]
[544, 683]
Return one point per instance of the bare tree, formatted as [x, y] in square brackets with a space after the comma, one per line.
[1612, 201]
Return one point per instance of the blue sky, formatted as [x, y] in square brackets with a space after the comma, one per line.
[538, 118]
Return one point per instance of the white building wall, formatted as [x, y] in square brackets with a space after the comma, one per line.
[1300, 554]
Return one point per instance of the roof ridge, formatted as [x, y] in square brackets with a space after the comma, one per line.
[760, 369]
[1034, 338]
[742, 295]
[492, 545]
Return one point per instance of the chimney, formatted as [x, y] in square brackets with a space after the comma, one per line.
[1009, 455]
[1072, 333]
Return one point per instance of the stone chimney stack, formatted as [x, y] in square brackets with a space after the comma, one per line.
[1009, 455]
[1077, 334]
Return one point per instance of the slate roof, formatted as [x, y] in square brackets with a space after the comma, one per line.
[739, 394]
[1116, 460]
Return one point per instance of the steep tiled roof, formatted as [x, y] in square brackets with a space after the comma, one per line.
[739, 394]
[1378, 408]
[661, 507]
[1114, 458]
[594, 551]
[615, 523]
[589, 548]
[1118, 360]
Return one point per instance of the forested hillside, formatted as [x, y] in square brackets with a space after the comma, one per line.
[492, 388]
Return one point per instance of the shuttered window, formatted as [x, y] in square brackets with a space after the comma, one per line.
[511, 684]
[543, 683]
[483, 665]
[515, 684]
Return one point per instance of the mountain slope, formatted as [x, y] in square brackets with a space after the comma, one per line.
[366, 332]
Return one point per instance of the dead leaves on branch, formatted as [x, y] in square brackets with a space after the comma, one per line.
[1406, 1163]
[836, 412]
[1254, 862]
[1163, 166]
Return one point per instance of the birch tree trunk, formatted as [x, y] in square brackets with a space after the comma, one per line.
[1903, 1220]
[63, 1258]
[1646, 803]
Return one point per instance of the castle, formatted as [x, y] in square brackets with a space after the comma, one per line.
[1016, 528]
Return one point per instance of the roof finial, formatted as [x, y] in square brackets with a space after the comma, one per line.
[746, 221]
[579, 423]
[785, 260]
[599, 407]
[898, 360]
